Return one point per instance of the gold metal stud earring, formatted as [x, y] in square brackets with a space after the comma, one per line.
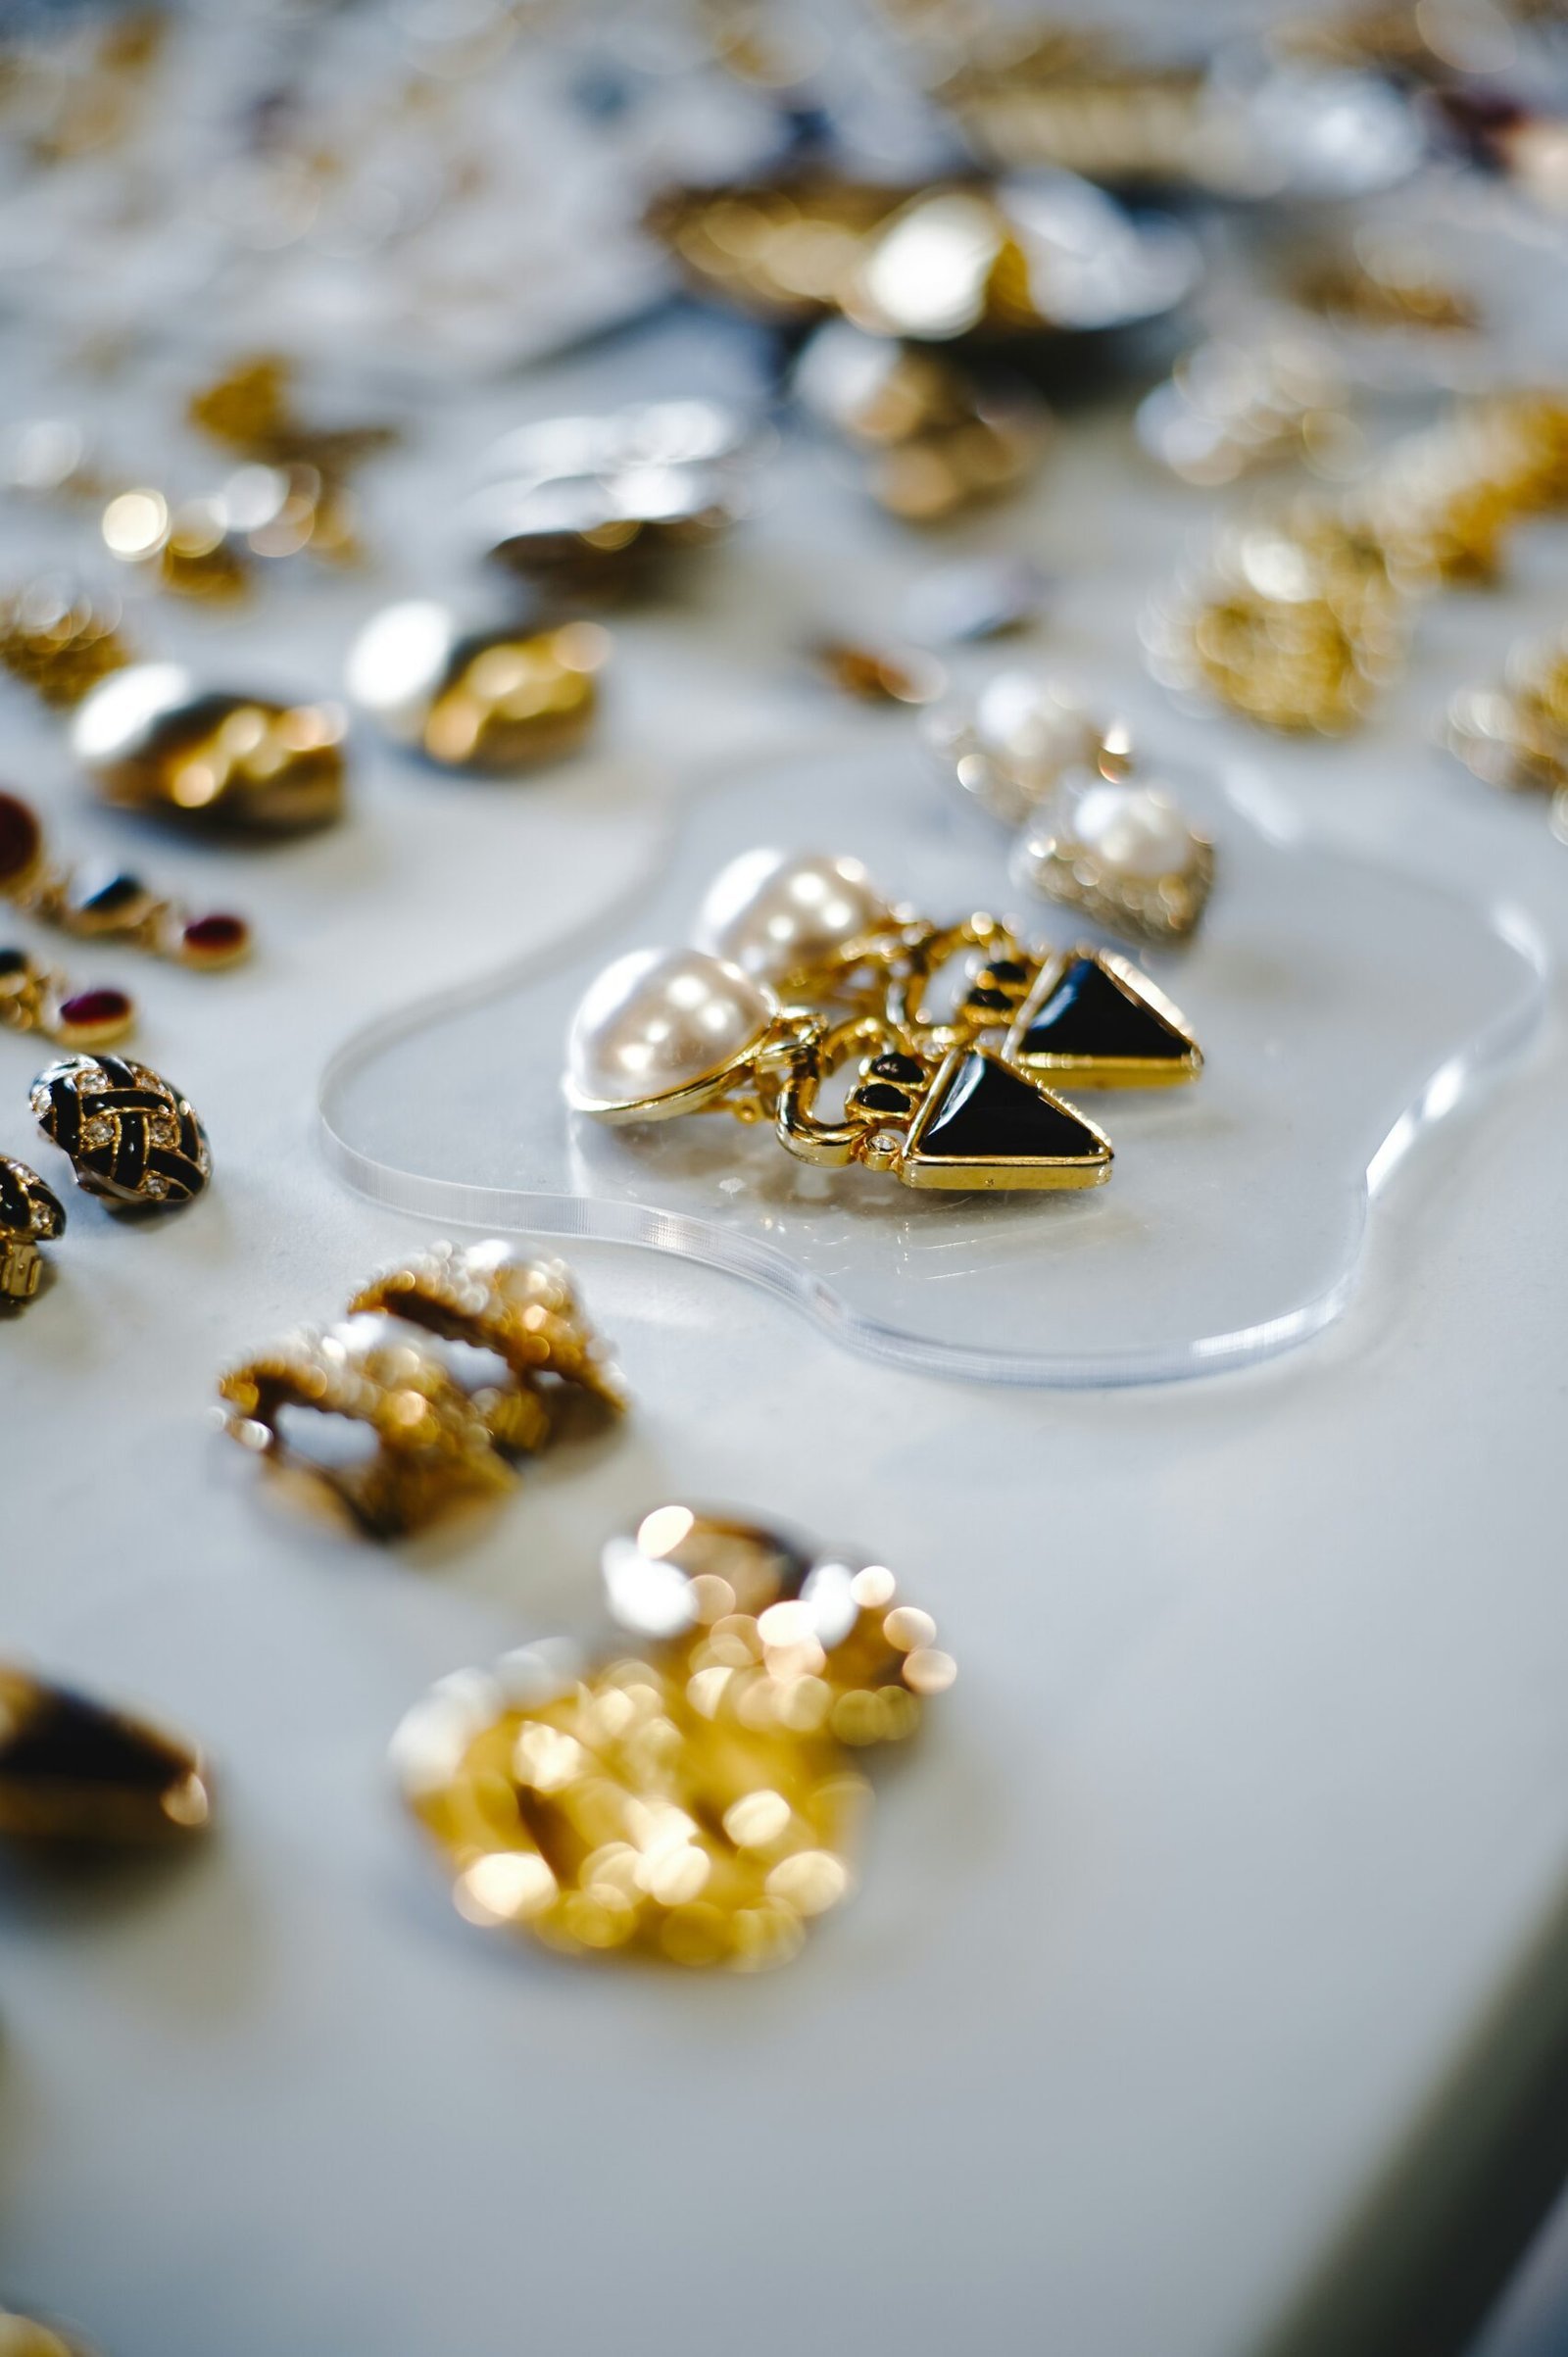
[438, 1440]
[109, 904]
[30, 1215]
[699, 1800]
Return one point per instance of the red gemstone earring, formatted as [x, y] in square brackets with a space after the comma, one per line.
[110, 904]
[32, 998]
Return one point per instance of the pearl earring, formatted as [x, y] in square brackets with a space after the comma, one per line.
[1094, 835]
[808, 970]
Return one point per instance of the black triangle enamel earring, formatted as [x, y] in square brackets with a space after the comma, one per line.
[664, 1033]
[803, 971]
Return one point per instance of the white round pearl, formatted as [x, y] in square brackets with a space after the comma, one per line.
[658, 1020]
[1030, 727]
[1134, 831]
[771, 912]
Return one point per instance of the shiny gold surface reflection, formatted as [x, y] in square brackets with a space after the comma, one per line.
[697, 1800]
[153, 741]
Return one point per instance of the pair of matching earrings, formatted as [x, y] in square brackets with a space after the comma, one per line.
[804, 970]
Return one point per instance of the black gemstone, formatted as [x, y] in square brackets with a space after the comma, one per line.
[990, 1114]
[66, 1737]
[114, 894]
[16, 1212]
[898, 1068]
[1091, 1013]
[1007, 970]
[983, 997]
[882, 1097]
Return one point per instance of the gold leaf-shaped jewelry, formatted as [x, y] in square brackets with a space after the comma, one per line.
[695, 1799]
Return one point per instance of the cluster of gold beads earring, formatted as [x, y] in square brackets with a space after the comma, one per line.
[803, 971]
[440, 1437]
[693, 1795]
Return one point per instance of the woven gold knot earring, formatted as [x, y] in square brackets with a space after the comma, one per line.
[807, 971]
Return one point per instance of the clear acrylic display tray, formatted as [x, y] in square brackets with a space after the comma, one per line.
[1341, 1010]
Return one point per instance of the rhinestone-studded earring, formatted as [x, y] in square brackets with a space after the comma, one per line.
[131, 1138]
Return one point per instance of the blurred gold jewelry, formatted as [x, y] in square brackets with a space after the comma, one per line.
[1229, 410]
[30, 1215]
[35, 998]
[1381, 283]
[58, 644]
[696, 1801]
[28, 2336]
[72, 1770]
[496, 700]
[524, 1310]
[936, 440]
[153, 739]
[250, 408]
[1516, 736]
[114, 905]
[1120, 851]
[1301, 621]
[433, 1447]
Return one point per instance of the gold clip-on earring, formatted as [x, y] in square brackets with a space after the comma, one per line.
[436, 1439]
[806, 970]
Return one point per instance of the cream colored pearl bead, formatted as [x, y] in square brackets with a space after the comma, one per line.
[659, 1020]
[1133, 830]
[1030, 727]
[772, 912]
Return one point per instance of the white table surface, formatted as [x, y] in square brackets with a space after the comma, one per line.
[1196, 1943]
